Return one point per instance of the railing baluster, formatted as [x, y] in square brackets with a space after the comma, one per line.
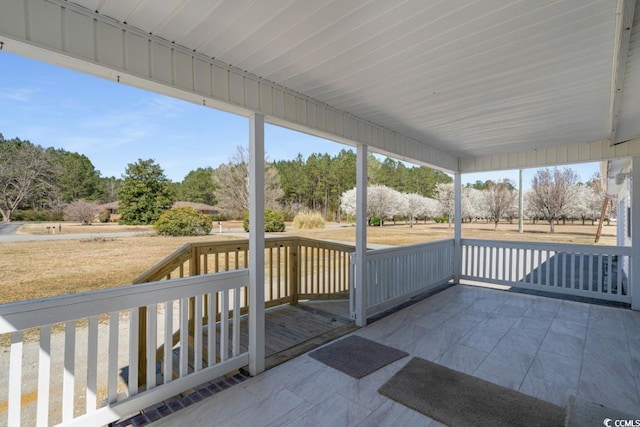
[197, 332]
[600, 282]
[531, 266]
[271, 292]
[152, 338]
[590, 284]
[15, 379]
[168, 342]
[211, 329]
[236, 321]
[68, 392]
[619, 276]
[133, 355]
[184, 338]
[491, 263]
[92, 364]
[581, 271]
[114, 328]
[279, 271]
[547, 268]
[224, 325]
[572, 257]
[44, 376]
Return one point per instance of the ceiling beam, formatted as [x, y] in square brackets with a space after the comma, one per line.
[624, 23]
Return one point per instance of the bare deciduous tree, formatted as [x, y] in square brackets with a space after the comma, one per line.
[232, 185]
[499, 197]
[550, 193]
[81, 211]
[25, 169]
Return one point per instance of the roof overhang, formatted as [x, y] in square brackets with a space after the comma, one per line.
[459, 85]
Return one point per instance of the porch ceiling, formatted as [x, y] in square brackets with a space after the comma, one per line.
[467, 78]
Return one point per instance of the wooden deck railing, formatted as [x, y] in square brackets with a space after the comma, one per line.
[295, 268]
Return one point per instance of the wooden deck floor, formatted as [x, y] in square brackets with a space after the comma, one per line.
[290, 330]
[288, 326]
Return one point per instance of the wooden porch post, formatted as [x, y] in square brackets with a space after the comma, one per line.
[361, 236]
[457, 237]
[520, 203]
[256, 245]
[634, 279]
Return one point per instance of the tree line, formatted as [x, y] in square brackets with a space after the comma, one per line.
[49, 179]
[34, 178]
[555, 195]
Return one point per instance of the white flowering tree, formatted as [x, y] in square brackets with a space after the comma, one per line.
[473, 205]
[551, 191]
[578, 206]
[445, 197]
[382, 201]
[348, 202]
[414, 206]
[498, 198]
[431, 208]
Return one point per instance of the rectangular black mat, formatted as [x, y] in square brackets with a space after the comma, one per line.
[460, 400]
[357, 356]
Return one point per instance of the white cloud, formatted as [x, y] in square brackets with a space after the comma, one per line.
[18, 94]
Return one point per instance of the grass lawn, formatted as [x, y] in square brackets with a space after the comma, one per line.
[41, 269]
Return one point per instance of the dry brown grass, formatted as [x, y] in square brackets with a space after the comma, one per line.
[41, 269]
[77, 228]
[402, 234]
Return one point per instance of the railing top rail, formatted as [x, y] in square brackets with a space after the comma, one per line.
[379, 253]
[29, 314]
[329, 244]
[560, 247]
[165, 266]
[184, 253]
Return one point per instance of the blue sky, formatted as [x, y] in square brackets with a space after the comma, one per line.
[114, 124]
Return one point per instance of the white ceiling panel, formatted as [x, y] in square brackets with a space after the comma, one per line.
[467, 77]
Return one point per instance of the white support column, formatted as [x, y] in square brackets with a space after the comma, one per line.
[634, 279]
[457, 234]
[256, 244]
[520, 204]
[361, 235]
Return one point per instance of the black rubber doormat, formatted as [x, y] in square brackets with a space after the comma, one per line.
[357, 356]
[461, 400]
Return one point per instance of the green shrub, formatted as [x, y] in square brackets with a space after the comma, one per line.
[308, 220]
[273, 221]
[441, 219]
[37, 215]
[375, 221]
[183, 222]
[221, 217]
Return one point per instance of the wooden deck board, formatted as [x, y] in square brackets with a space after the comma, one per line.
[290, 329]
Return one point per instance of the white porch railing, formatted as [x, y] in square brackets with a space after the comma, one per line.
[396, 274]
[582, 270]
[87, 375]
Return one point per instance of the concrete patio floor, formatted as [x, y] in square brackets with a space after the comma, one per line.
[547, 348]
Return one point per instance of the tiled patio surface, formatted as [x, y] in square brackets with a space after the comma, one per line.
[543, 347]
